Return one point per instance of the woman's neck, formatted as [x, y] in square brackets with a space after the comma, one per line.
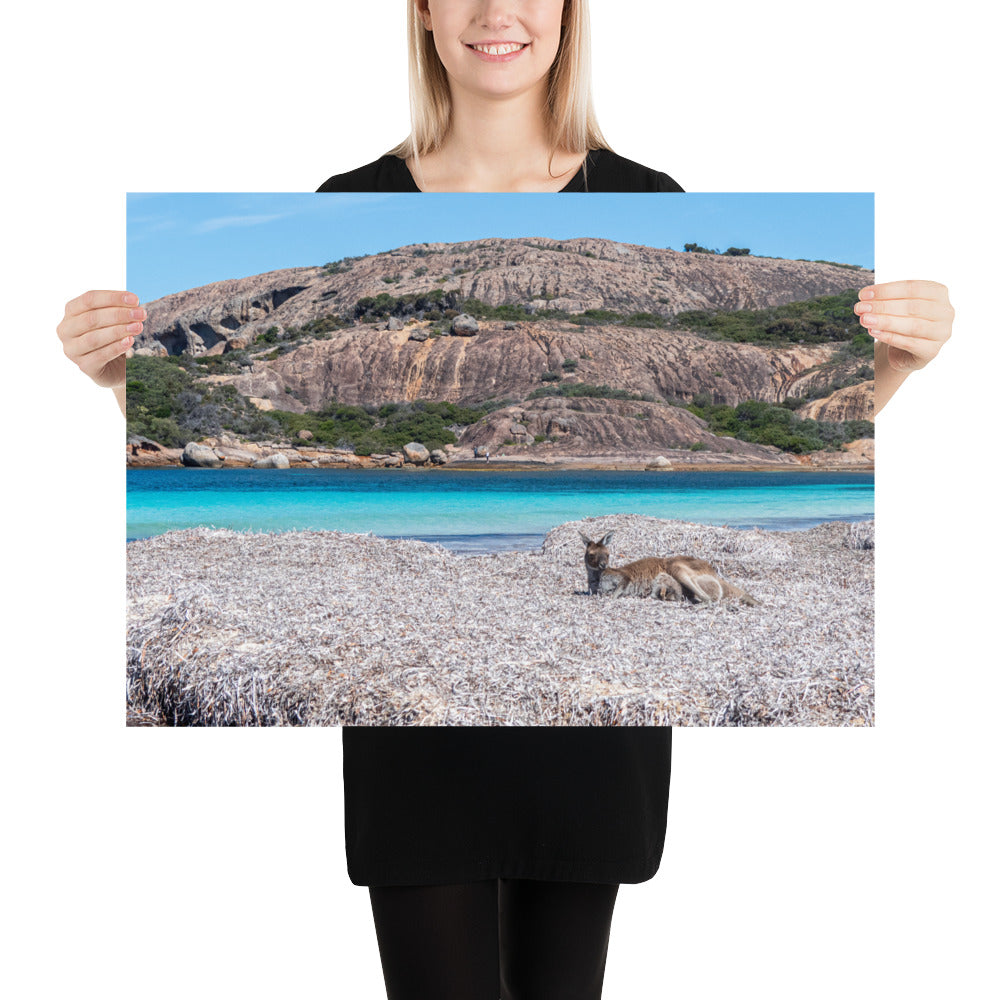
[496, 145]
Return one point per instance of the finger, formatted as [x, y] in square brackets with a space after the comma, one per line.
[73, 327]
[917, 346]
[916, 289]
[96, 299]
[908, 326]
[931, 309]
[84, 344]
[95, 361]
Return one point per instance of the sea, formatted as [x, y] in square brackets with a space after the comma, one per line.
[482, 510]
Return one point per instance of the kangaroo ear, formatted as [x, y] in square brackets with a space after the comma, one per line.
[607, 538]
[586, 540]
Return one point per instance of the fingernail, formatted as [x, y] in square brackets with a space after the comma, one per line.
[133, 328]
[130, 300]
[126, 342]
[866, 293]
[863, 308]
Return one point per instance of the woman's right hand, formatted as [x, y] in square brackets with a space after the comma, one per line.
[97, 332]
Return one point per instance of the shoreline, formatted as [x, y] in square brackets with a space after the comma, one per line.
[531, 465]
[463, 544]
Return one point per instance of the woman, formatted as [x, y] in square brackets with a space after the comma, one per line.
[493, 856]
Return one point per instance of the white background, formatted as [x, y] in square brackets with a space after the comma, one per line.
[798, 863]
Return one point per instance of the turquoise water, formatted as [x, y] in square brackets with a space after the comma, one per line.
[482, 510]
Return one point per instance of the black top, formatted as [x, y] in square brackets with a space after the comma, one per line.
[605, 171]
[453, 804]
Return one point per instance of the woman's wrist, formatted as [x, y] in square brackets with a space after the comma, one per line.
[887, 378]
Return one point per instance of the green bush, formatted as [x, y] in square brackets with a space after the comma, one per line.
[820, 320]
[768, 423]
[382, 428]
[572, 389]
[167, 400]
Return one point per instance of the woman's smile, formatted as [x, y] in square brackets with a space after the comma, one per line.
[497, 51]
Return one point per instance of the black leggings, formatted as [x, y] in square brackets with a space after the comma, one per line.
[515, 939]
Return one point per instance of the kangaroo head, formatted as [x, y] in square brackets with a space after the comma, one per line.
[596, 556]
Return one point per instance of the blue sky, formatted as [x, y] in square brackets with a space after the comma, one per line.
[180, 241]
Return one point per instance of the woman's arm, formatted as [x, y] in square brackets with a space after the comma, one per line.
[910, 320]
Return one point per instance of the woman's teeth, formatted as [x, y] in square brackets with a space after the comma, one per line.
[500, 50]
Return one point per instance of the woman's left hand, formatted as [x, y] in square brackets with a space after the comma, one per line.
[912, 318]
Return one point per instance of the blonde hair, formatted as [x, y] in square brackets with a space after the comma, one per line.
[572, 124]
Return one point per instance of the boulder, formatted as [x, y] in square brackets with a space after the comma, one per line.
[137, 443]
[416, 453]
[395, 323]
[273, 461]
[518, 430]
[660, 463]
[236, 344]
[391, 461]
[509, 325]
[420, 334]
[305, 435]
[464, 325]
[438, 457]
[200, 456]
[236, 456]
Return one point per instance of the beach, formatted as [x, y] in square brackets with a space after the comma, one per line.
[332, 628]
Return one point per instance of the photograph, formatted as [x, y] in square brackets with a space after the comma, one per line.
[797, 860]
[408, 485]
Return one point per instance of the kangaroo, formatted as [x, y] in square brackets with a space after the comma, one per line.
[671, 579]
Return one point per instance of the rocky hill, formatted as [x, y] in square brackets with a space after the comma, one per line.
[378, 330]
[571, 275]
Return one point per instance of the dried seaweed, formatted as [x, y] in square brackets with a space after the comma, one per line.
[232, 628]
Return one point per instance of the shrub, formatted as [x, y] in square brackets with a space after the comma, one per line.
[767, 423]
[824, 319]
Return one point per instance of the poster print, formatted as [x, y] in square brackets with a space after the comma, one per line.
[500, 460]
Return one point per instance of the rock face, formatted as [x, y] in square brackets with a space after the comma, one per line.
[365, 366]
[856, 402]
[611, 429]
[573, 275]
